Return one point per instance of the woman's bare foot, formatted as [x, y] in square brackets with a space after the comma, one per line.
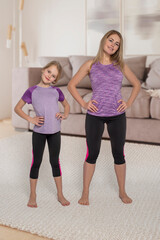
[84, 200]
[63, 200]
[32, 201]
[125, 199]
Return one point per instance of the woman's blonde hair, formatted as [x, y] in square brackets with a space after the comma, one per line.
[117, 57]
[59, 68]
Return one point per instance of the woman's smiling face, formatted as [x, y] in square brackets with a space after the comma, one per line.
[111, 44]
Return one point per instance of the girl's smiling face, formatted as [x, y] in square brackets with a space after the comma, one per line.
[111, 44]
[49, 74]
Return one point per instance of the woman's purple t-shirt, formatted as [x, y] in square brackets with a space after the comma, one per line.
[45, 104]
[106, 82]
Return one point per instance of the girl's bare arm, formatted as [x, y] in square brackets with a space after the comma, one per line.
[18, 109]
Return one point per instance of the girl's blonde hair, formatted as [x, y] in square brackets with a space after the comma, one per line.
[117, 57]
[59, 68]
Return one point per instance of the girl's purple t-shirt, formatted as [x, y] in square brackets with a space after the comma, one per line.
[106, 82]
[45, 104]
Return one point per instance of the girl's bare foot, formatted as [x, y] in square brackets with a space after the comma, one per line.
[63, 200]
[84, 200]
[125, 199]
[32, 201]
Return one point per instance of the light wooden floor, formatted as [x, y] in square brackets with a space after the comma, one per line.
[6, 129]
[6, 233]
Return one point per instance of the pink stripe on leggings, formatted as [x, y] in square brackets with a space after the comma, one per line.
[87, 154]
[32, 160]
[60, 167]
[123, 153]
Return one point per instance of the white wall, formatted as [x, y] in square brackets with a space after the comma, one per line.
[50, 28]
[54, 28]
[5, 59]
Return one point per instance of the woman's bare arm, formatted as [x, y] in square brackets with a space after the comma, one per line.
[77, 78]
[136, 88]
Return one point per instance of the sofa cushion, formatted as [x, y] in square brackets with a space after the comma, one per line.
[74, 105]
[153, 78]
[77, 62]
[155, 107]
[86, 98]
[31, 114]
[137, 66]
[66, 68]
[139, 109]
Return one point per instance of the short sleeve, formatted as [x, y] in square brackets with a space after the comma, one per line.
[27, 96]
[61, 95]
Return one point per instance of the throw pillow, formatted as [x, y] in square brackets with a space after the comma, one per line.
[137, 66]
[77, 62]
[154, 93]
[153, 78]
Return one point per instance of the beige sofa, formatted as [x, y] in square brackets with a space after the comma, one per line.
[143, 118]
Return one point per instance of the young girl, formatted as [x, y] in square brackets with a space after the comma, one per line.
[106, 106]
[44, 97]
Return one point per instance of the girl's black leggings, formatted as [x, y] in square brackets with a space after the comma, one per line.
[116, 126]
[38, 142]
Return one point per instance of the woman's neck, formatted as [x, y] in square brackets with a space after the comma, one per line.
[106, 60]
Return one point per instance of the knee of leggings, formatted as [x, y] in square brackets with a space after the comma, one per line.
[119, 159]
[34, 173]
[92, 158]
[91, 161]
[56, 170]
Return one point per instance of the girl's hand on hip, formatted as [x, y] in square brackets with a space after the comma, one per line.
[123, 106]
[90, 106]
[38, 121]
[61, 116]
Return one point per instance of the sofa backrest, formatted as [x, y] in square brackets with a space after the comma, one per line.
[72, 64]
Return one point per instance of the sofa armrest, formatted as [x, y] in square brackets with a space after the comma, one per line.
[22, 79]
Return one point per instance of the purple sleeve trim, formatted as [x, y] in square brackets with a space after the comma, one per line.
[27, 96]
[61, 95]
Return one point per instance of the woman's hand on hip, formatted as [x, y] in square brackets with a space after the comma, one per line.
[123, 106]
[90, 106]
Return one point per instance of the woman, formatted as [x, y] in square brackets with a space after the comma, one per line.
[106, 106]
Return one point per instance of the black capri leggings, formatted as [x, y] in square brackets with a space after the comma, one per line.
[38, 142]
[116, 126]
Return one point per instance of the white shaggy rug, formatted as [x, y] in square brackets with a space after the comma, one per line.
[107, 218]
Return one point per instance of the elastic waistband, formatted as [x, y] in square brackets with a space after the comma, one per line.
[109, 117]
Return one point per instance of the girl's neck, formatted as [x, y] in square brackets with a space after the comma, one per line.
[42, 84]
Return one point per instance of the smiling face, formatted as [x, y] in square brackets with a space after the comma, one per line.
[112, 44]
[49, 75]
